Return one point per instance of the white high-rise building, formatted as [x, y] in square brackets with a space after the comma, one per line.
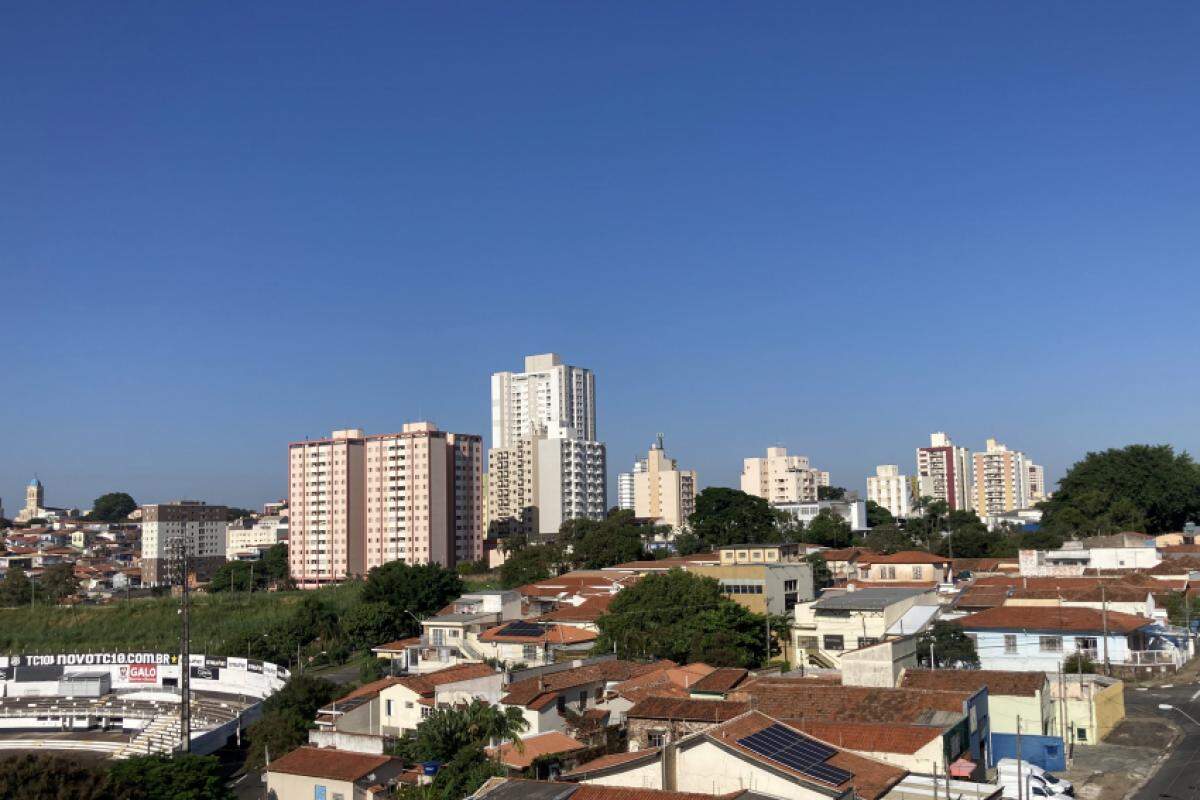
[780, 478]
[625, 485]
[1035, 484]
[545, 466]
[549, 397]
[944, 472]
[888, 488]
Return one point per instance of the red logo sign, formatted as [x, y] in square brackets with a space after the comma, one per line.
[143, 673]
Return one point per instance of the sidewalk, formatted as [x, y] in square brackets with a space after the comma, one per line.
[1116, 767]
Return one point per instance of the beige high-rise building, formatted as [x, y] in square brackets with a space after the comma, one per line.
[357, 501]
[168, 527]
[663, 492]
[1035, 483]
[944, 472]
[541, 481]
[780, 478]
[888, 488]
[1002, 480]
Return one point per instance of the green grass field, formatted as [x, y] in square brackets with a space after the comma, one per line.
[152, 624]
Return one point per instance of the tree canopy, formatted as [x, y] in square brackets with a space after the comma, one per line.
[1141, 487]
[827, 529]
[169, 777]
[112, 507]
[599, 544]
[950, 647]
[888, 539]
[411, 589]
[287, 716]
[530, 564]
[684, 617]
[831, 493]
[728, 516]
[878, 515]
[58, 581]
[15, 589]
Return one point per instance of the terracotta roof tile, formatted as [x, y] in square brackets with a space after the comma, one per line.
[612, 760]
[590, 610]
[551, 634]
[1052, 618]
[798, 698]
[871, 737]
[533, 747]
[687, 709]
[334, 765]
[998, 682]
[903, 557]
[720, 680]
[533, 690]
[870, 779]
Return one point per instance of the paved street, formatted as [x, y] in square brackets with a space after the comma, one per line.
[1179, 776]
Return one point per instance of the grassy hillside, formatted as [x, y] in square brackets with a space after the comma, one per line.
[221, 624]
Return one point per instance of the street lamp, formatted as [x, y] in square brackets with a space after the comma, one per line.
[1167, 707]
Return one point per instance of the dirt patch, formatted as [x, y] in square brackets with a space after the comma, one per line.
[1142, 732]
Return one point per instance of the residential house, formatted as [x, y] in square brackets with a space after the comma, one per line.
[1040, 638]
[655, 721]
[908, 566]
[1011, 695]
[916, 748]
[523, 643]
[1094, 705]
[309, 772]
[840, 621]
[716, 684]
[743, 753]
[545, 755]
[554, 700]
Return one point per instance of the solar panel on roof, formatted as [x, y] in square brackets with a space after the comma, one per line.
[521, 628]
[807, 756]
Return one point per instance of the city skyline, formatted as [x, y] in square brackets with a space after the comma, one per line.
[860, 230]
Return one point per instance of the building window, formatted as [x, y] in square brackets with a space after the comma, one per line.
[867, 641]
[656, 738]
[835, 643]
[529, 652]
[426, 711]
[562, 703]
[917, 572]
[887, 572]
[1081, 734]
[387, 707]
[1050, 644]
[1010, 644]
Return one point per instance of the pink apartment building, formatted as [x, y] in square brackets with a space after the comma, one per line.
[359, 501]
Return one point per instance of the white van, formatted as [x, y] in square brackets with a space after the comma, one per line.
[1031, 788]
[1059, 785]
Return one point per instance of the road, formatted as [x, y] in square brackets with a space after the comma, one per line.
[1179, 776]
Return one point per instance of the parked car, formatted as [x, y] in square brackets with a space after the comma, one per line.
[1059, 785]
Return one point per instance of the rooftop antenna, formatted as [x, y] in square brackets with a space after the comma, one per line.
[659, 440]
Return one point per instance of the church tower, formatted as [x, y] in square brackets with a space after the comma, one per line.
[34, 497]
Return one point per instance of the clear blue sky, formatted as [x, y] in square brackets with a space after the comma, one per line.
[833, 226]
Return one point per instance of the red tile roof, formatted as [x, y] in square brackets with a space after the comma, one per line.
[904, 557]
[422, 684]
[845, 553]
[612, 760]
[798, 698]
[870, 779]
[998, 682]
[720, 680]
[590, 610]
[1052, 619]
[534, 747]
[334, 765]
[673, 708]
[551, 634]
[666, 682]
[534, 691]
[870, 737]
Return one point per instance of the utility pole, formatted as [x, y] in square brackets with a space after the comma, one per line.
[185, 652]
[1104, 619]
[768, 616]
[1020, 795]
[932, 660]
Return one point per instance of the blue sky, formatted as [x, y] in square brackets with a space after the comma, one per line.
[836, 227]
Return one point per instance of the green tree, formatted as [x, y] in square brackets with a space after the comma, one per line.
[687, 544]
[1078, 663]
[15, 589]
[1141, 486]
[529, 565]
[727, 516]
[112, 507]
[48, 777]
[878, 515]
[238, 576]
[169, 777]
[822, 575]
[950, 647]
[287, 716]
[367, 625]
[683, 617]
[614, 540]
[448, 730]
[59, 582]
[831, 493]
[234, 514]
[275, 563]
[420, 590]
[827, 529]
[887, 539]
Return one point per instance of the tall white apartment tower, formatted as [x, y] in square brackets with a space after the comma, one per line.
[549, 396]
[944, 472]
[625, 485]
[1005, 480]
[780, 478]
[888, 488]
[545, 465]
